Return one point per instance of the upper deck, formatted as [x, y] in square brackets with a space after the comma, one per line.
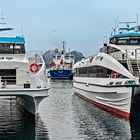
[16, 40]
[124, 43]
[12, 45]
[130, 38]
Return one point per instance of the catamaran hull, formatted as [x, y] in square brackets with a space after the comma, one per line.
[27, 100]
[116, 100]
[27, 105]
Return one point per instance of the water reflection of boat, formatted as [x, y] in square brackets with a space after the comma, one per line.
[135, 121]
[15, 125]
[61, 65]
[92, 122]
[22, 74]
[110, 79]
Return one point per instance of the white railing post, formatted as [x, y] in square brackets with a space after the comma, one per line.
[136, 54]
[0, 82]
[129, 65]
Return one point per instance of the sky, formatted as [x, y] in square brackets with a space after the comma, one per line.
[82, 24]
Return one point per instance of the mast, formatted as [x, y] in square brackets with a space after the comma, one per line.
[63, 50]
[3, 23]
[127, 23]
[2, 19]
[69, 54]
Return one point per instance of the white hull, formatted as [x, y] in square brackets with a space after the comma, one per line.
[113, 99]
[27, 99]
[111, 79]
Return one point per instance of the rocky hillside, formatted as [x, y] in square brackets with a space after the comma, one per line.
[48, 55]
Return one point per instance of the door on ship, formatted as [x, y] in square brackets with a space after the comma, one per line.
[8, 76]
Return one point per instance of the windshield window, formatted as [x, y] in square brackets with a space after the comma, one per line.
[72, 57]
[125, 40]
[69, 57]
[66, 57]
[6, 48]
[58, 57]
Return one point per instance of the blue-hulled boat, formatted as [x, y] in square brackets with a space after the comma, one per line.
[61, 74]
[61, 65]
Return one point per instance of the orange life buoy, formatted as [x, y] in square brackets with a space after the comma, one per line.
[34, 68]
[53, 63]
[114, 74]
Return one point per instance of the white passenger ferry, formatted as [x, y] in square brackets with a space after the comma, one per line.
[111, 79]
[22, 74]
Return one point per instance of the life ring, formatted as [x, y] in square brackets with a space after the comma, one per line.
[34, 68]
[114, 74]
[53, 63]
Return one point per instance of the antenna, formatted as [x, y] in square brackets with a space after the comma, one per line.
[2, 22]
[63, 46]
[127, 23]
[105, 39]
[116, 22]
[137, 18]
[69, 53]
[2, 18]
[114, 30]
[21, 31]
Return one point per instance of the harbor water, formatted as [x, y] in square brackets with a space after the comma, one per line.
[64, 116]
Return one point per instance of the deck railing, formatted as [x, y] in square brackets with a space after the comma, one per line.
[129, 56]
[126, 54]
[35, 57]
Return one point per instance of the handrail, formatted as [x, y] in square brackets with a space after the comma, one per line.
[8, 76]
[129, 65]
[37, 57]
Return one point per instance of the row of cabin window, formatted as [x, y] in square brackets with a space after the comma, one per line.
[93, 71]
[12, 49]
[125, 41]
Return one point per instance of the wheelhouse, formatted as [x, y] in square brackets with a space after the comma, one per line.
[125, 39]
[67, 57]
[12, 45]
[9, 46]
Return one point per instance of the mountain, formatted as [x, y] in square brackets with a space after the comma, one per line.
[48, 56]
[78, 55]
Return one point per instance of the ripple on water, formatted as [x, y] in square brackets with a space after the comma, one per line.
[69, 117]
[64, 116]
[14, 125]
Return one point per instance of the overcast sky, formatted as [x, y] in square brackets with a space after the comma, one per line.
[83, 24]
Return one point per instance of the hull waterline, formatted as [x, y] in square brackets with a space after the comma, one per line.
[119, 113]
[125, 105]
[61, 74]
[116, 100]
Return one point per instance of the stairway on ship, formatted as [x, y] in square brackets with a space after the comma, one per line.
[134, 67]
